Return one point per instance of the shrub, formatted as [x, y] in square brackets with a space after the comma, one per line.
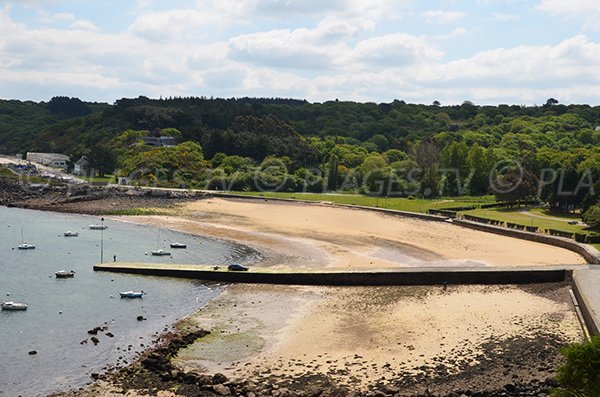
[580, 375]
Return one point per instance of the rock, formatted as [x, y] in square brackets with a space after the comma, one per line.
[389, 389]
[32, 352]
[94, 331]
[221, 390]
[156, 363]
[219, 378]
[141, 318]
[509, 387]
[95, 340]
[109, 334]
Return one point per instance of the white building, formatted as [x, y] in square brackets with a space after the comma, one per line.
[50, 159]
[81, 166]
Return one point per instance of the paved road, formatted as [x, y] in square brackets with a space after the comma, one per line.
[525, 212]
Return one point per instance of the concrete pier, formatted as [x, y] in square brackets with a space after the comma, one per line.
[341, 277]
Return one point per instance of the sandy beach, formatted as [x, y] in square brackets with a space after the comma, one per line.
[300, 340]
[308, 236]
[360, 338]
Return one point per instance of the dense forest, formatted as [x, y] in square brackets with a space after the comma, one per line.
[551, 152]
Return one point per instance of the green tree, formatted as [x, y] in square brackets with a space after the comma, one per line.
[516, 184]
[480, 162]
[332, 170]
[101, 159]
[592, 216]
[580, 375]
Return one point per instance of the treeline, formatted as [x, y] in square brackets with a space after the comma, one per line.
[549, 152]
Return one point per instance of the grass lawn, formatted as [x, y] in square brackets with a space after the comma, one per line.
[100, 179]
[515, 216]
[403, 204]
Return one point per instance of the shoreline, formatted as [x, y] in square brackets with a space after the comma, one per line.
[446, 366]
[308, 336]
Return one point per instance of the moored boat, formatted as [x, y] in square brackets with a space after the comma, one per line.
[160, 253]
[71, 234]
[64, 274]
[24, 245]
[178, 245]
[98, 227]
[13, 306]
[132, 294]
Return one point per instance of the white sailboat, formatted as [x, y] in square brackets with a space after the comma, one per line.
[159, 252]
[24, 245]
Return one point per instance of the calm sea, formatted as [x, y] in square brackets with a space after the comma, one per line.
[61, 311]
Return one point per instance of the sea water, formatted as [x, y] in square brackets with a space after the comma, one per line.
[61, 311]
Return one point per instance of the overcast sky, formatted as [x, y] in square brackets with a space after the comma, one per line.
[484, 51]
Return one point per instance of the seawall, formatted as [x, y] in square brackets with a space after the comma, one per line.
[410, 276]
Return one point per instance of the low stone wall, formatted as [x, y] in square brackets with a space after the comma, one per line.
[371, 278]
[589, 253]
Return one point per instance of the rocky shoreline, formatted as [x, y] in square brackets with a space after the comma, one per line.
[153, 372]
[87, 199]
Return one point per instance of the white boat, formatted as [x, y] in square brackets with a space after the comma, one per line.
[98, 227]
[71, 234]
[178, 245]
[64, 274]
[160, 253]
[132, 294]
[24, 245]
[13, 306]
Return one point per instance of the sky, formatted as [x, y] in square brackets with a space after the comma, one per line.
[488, 52]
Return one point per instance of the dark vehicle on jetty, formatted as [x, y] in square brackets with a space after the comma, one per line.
[237, 268]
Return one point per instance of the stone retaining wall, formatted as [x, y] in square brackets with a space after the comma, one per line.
[589, 253]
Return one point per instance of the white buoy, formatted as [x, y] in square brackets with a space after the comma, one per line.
[112, 296]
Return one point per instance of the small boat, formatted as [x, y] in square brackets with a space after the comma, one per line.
[13, 306]
[132, 294]
[98, 227]
[178, 245]
[65, 274]
[24, 245]
[160, 253]
[71, 234]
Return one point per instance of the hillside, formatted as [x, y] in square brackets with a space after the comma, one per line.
[394, 149]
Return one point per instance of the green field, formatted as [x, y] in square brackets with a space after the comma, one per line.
[402, 204]
[542, 219]
[99, 180]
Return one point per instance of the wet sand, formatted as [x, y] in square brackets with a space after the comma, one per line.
[360, 337]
